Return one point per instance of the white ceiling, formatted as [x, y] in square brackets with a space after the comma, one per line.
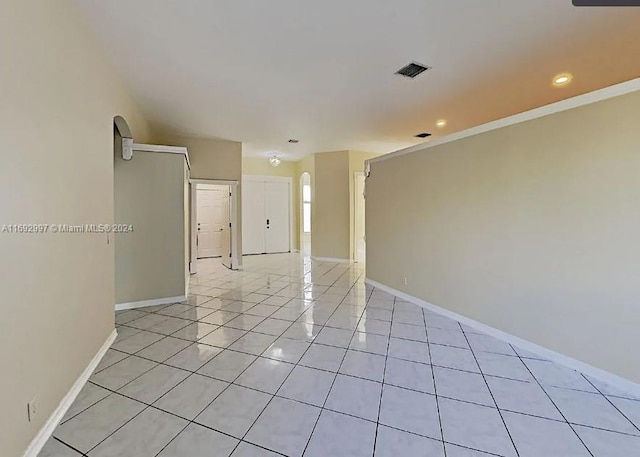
[264, 71]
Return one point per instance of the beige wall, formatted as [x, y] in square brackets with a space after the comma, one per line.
[261, 166]
[150, 195]
[57, 104]
[330, 206]
[210, 159]
[213, 159]
[532, 229]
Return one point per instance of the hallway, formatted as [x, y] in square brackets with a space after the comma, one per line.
[295, 357]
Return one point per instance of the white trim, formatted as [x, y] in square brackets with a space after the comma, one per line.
[153, 302]
[331, 259]
[54, 419]
[574, 364]
[161, 148]
[356, 206]
[288, 180]
[557, 107]
[236, 258]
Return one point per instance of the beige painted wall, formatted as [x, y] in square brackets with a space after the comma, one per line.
[532, 229]
[210, 158]
[150, 195]
[214, 159]
[330, 206]
[57, 104]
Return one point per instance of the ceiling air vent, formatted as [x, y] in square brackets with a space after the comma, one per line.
[423, 135]
[412, 70]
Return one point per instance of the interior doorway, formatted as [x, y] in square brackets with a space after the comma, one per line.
[359, 219]
[305, 214]
[214, 222]
[213, 216]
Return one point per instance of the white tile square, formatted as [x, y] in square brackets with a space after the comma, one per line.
[414, 412]
[603, 443]
[355, 396]
[198, 441]
[285, 426]
[340, 435]
[234, 410]
[393, 443]
[503, 365]
[450, 357]
[413, 351]
[369, 342]
[334, 337]
[323, 357]
[307, 385]
[144, 436]
[286, 350]
[253, 343]
[551, 374]
[227, 365]
[266, 375]
[536, 437]
[410, 375]
[271, 326]
[590, 409]
[154, 383]
[363, 365]
[193, 357]
[475, 426]
[522, 397]
[462, 385]
[191, 396]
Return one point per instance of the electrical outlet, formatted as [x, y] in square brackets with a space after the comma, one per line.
[32, 409]
[404, 281]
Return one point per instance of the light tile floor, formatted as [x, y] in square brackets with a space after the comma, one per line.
[296, 357]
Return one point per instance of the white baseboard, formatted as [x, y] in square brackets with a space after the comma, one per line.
[54, 419]
[569, 362]
[154, 302]
[330, 259]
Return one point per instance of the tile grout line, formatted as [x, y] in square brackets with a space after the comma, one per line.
[513, 443]
[553, 403]
[435, 387]
[384, 374]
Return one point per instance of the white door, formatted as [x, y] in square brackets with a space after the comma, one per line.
[212, 217]
[359, 229]
[265, 216]
[253, 217]
[277, 206]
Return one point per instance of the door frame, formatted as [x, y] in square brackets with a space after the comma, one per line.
[356, 205]
[289, 181]
[236, 259]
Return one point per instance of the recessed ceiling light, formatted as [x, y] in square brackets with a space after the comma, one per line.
[441, 123]
[562, 79]
[423, 135]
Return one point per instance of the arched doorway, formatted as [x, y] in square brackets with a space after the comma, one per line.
[305, 214]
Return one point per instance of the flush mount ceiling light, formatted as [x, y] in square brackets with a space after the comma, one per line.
[562, 79]
[274, 160]
[442, 123]
[412, 70]
[423, 135]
